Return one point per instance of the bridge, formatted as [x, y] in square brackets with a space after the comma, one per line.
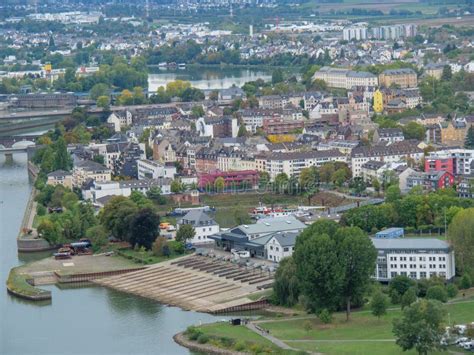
[12, 144]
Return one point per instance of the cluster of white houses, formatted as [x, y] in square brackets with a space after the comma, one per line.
[274, 239]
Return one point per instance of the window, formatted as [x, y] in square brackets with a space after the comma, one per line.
[422, 258]
[403, 273]
[432, 273]
[442, 258]
[393, 274]
[423, 274]
[413, 275]
[271, 247]
[285, 249]
[393, 266]
[412, 258]
[442, 266]
[412, 266]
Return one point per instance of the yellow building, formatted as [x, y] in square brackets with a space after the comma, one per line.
[378, 101]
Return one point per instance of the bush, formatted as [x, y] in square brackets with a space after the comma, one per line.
[176, 247]
[465, 282]
[408, 297]
[307, 325]
[325, 316]
[437, 293]
[193, 333]
[452, 290]
[40, 210]
[239, 346]
[202, 339]
[256, 348]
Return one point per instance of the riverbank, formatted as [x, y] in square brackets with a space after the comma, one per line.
[363, 334]
[28, 240]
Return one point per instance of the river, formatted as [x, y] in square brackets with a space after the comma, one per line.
[207, 78]
[87, 320]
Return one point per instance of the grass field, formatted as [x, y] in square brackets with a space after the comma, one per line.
[364, 334]
[239, 333]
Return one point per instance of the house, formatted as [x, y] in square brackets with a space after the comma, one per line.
[455, 161]
[372, 170]
[281, 126]
[231, 94]
[389, 135]
[98, 190]
[204, 226]
[235, 179]
[394, 152]
[417, 258]
[345, 78]
[86, 169]
[430, 181]
[403, 78]
[60, 177]
[219, 127]
[118, 120]
[149, 169]
[281, 245]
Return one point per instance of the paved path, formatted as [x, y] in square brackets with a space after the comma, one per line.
[339, 340]
[266, 335]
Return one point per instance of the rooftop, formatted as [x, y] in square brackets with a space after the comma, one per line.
[410, 243]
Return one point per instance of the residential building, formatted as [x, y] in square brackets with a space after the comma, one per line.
[86, 169]
[149, 169]
[203, 225]
[398, 151]
[118, 120]
[280, 245]
[345, 78]
[455, 161]
[417, 258]
[388, 135]
[354, 32]
[403, 78]
[292, 163]
[60, 177]
[430, 181]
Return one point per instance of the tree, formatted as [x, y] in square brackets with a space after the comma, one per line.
[62, 159]
[103, 102]
[408, 297]
[50, 232]
[117, 216]
[277, 76]
[219, 184]
[357, 255]
[159, 245]
[414, 130]
[420, 327]
[185, 233]
[138, 96]
[99, 90]
[438, 293]
[242, 131]
[144, 228]
[461, 234]
[319, 271]
[125, 97]
[398, 286]
[465, 282]
[197, 111]
[154, 194]
[286, 288]
[392, 194]
[379, 304]
[447, 73]
[469, 142]
[176, 186]
[97, 235]
[281, 182]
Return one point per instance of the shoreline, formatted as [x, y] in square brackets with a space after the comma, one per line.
[180, 339]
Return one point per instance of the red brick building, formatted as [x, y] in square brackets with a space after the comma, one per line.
[232, 179]
[281, 126]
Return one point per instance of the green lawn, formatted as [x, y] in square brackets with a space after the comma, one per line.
[237, 332]
[363, 326]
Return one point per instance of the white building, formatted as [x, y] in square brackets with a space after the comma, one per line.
[204, 226]
[293, 162]
[345, 78]
[149, 169]
[395, 152]
[120, 119]
[358, 33]
[417, 258]
[124, 188]
[280, 245]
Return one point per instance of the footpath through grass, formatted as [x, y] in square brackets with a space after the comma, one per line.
[363, 334]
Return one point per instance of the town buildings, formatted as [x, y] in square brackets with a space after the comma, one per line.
[345, 78]
[417, 258]
[402, 78]
[203, 225]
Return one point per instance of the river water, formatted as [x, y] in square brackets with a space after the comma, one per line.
[90, 320]
[207, 78]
